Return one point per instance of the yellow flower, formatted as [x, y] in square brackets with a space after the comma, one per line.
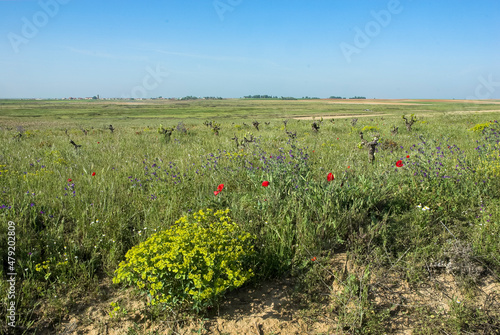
[191, 257]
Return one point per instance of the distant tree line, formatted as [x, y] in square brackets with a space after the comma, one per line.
[213, 98]
[355, 97]
[265, 96]
[261, 96]
[191, 97]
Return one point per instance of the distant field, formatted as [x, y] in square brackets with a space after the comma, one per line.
[66, 113]
[360, 223]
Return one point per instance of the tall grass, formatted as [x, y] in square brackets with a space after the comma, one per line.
[78, 211]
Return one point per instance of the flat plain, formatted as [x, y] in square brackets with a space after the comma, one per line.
[403, 240]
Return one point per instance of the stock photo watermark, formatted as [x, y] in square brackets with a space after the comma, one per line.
[151, 81]
[372, 29]
[223, 6]
[11, 274]
[485, 88]
[30, 27]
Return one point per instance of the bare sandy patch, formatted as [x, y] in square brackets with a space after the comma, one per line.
[261, 309]
[462, 112]
[340, 116]
[479, 111]
[348, 116]
[495, 102]
[406, 102]
[370, 102]
[269, 308]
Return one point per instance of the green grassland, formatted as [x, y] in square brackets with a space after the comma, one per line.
[77, 211]
[137, 110]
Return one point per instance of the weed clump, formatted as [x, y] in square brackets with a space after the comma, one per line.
[389, 145]
[370, 128]
[191, 264]
[479, 127]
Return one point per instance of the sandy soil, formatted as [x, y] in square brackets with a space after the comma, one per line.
[404, 101]
[348, 116]
[269, 308]
[371, 102]
[339, 116]
[481, 111]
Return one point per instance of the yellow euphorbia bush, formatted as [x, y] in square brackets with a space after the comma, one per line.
[480, 127]
[193, 262]
[489, 163]
[370, 128]
[3, 170]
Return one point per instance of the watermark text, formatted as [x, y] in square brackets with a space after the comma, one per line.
[11, 274]
[363, 37]
[31, 27]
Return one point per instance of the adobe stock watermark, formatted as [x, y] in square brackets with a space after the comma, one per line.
[31, 27]
[11, 274]
[485, 88]
[372, 29]
[151, 81]
[223, 6]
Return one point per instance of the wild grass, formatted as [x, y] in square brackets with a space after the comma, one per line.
[79, 210]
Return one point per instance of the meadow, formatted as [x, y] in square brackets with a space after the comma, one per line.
[291, 181]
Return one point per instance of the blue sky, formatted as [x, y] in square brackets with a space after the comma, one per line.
[379, 49]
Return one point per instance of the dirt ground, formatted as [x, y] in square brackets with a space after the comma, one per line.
[270, 308]
[405, 101]
[339, 116]
[348, 116]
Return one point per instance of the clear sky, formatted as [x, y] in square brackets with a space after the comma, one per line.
[231, 48]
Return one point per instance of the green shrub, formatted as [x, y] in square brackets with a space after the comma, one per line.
[193, 263]
[480, 127]
[370, 128]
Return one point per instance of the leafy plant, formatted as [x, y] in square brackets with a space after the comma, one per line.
[354, 306]
[193, 263]
[370, 128]
[480, 127]
[117, 311]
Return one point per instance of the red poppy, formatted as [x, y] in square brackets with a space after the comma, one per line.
[408, 156]
[93, 174]
[265, 183]
[98, 142]
[337, 138]
[330, 177]
[399, 163]
[220, 187]
[216, 192]
[69, 180]
[348, 166]
[313, 259]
